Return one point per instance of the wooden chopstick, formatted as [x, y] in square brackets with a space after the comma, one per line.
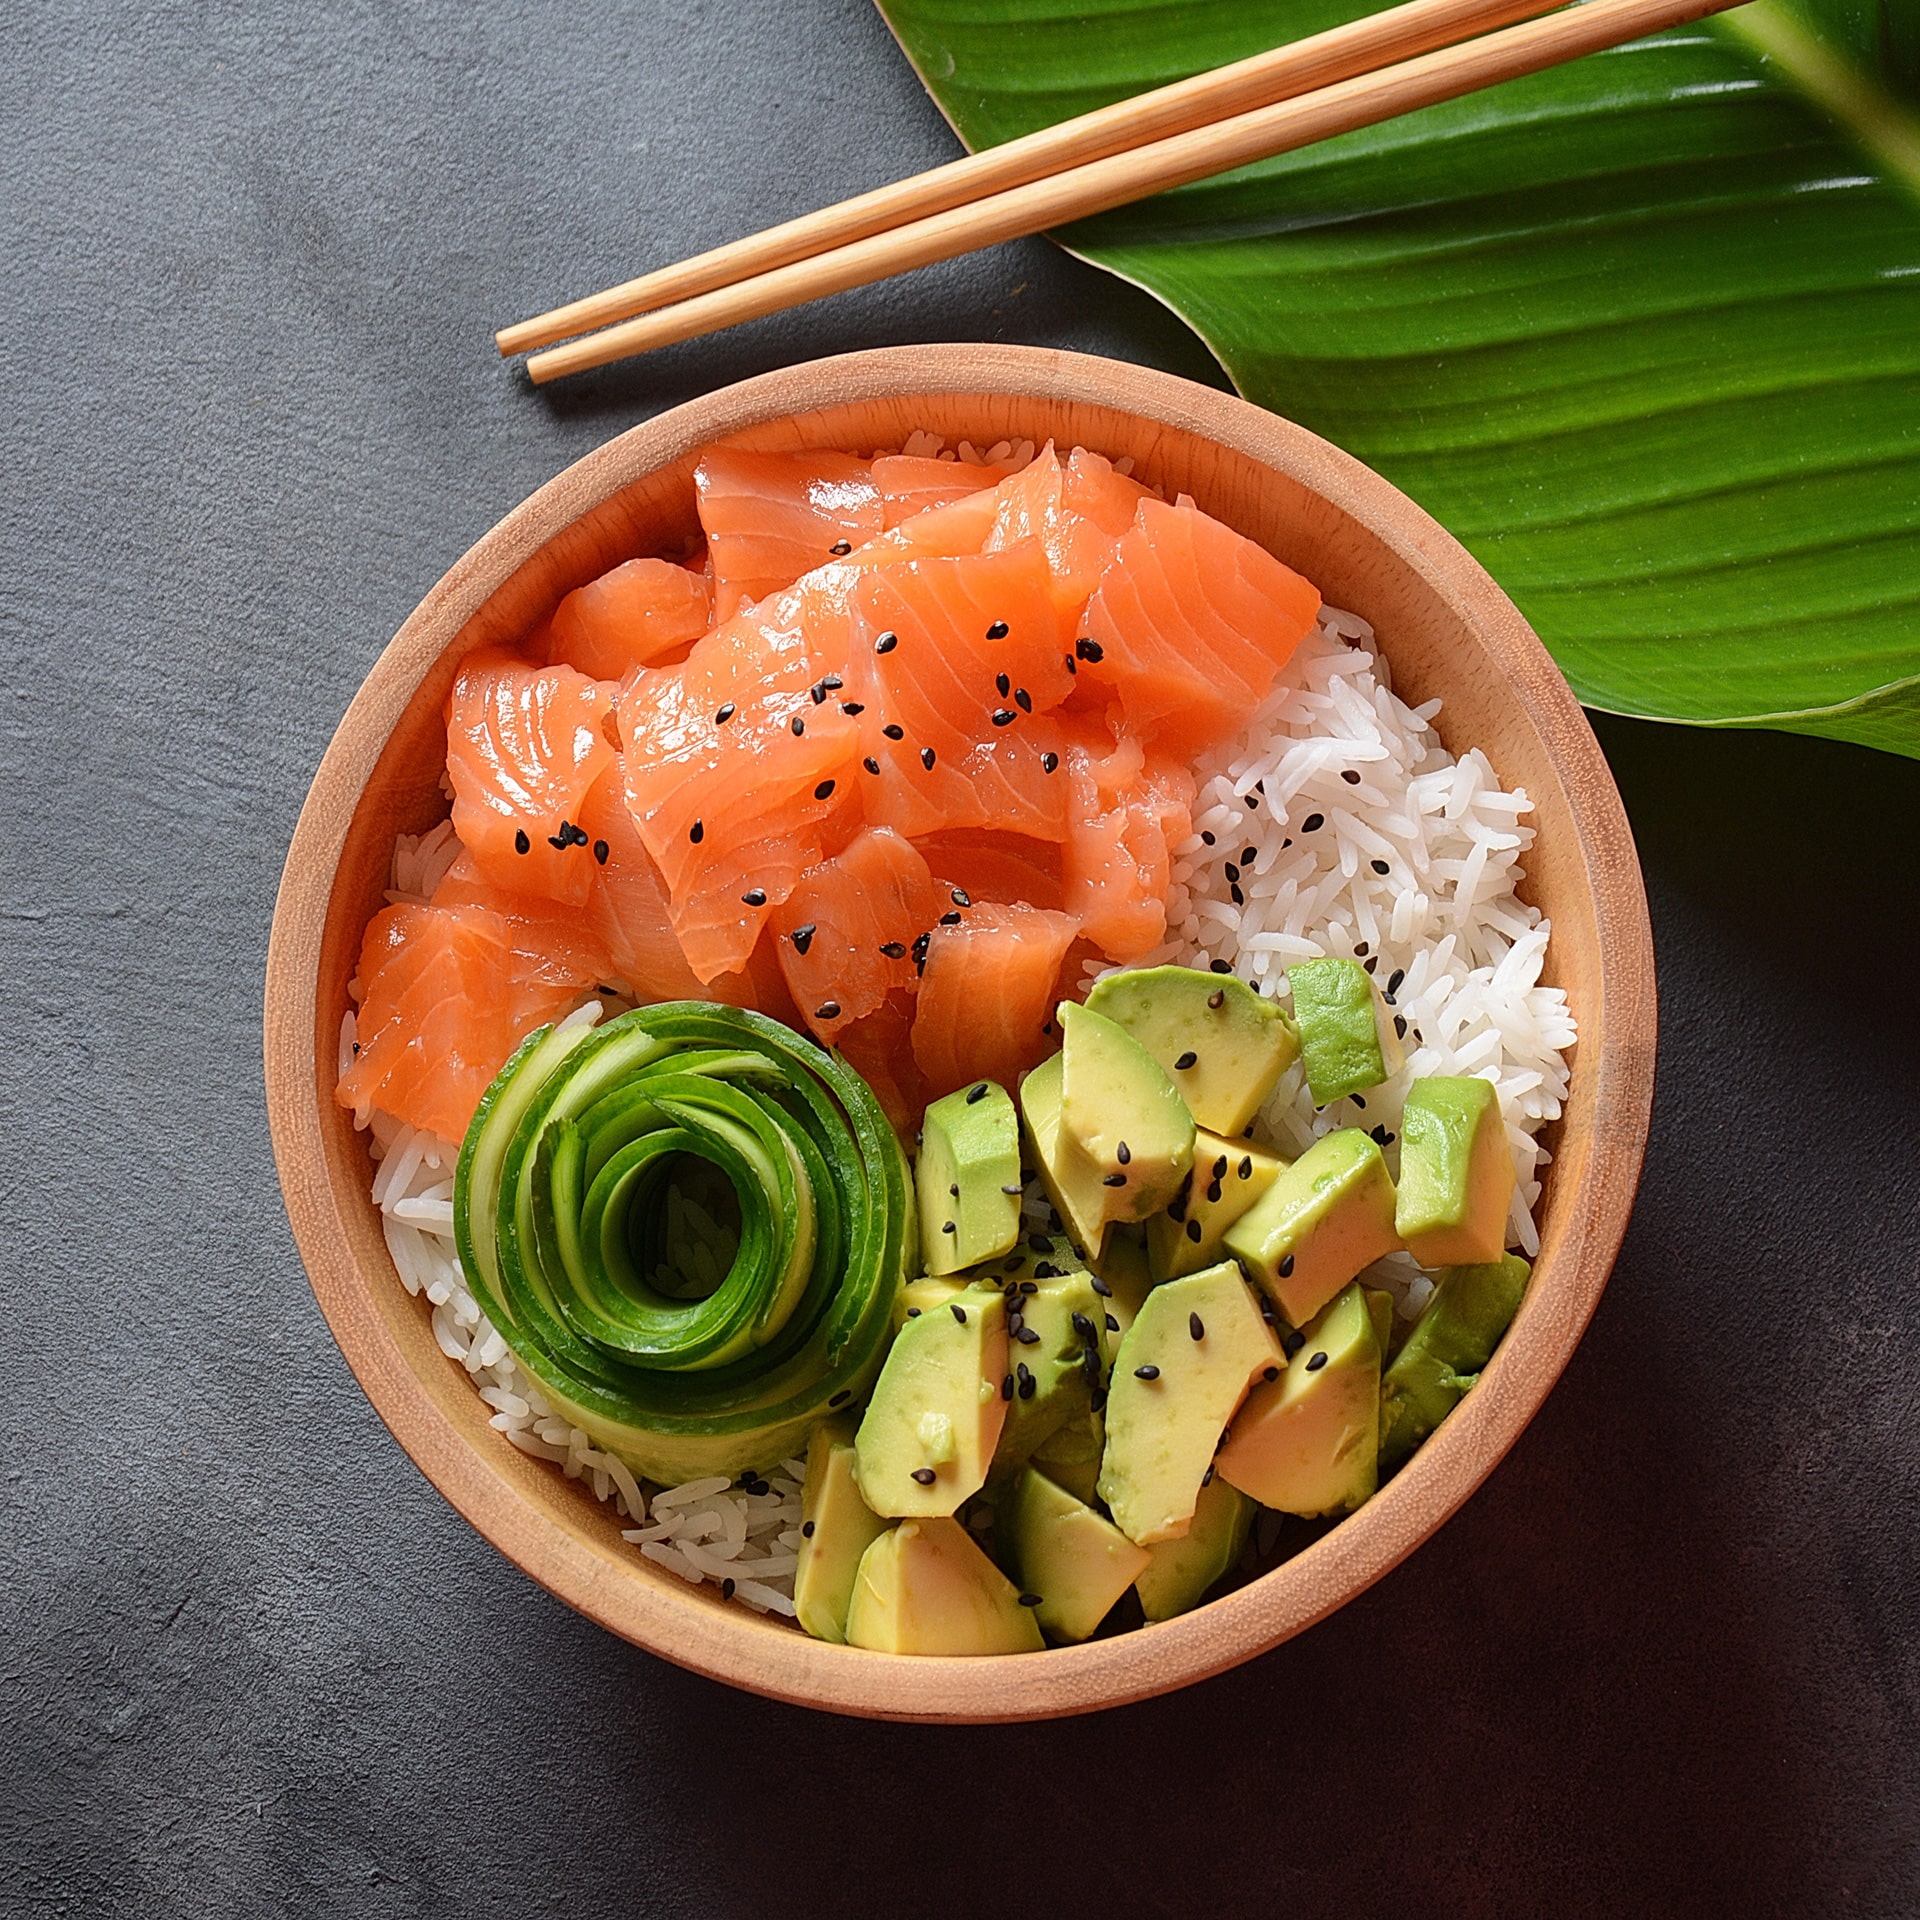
[1338, 54]
[1100, 185]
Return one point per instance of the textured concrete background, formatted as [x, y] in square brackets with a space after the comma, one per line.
[249, 1662]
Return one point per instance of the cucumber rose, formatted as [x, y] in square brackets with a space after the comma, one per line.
[571, 1210]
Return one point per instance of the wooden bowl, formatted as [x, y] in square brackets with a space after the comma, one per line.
[1449, 632]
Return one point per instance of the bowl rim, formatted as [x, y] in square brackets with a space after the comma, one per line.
[694, 1630]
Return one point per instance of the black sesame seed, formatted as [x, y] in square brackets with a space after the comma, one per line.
[1027, 1337]
[755, 896]
[1216, 1000]
[725, 714]
[1206, 1479]
[1006, 1387]
[1004, 716]
[1039, 1243]
[1003, 684]
[998, 631]
[1083, 1326]
[1246, 858]
[798, 725]
[1029, 1599]
[1049, 762]
[1194, 1231]
[949, 919]
[1101, 1288]
[1286, 1265]
[827, 1010]
[894, 732]
[1246, 1167]
[1313, 823]
[1394, 979]
[924, 1475]
[845, 1394]
[1042, 1270]
[913, 1313]
[894, 950]
[1146, 1373]
[1186, 1060]
[954, 1190]
[1360, 951]
[833, 683]
[886, 643]
[852, 707]
[1372, 961]
[1350, 777]
[1220, 966]
[1011, 1192]
[1399, 1026]
[1213, 1192]
[697, 832]
[1272, 1373]
[726, 1588]
[1072, 664]
[1032, 1286]
[840, 547]
[1124, 1154]
[958, 1311]
[1291, 1342]
[1196, 1327]
[521, 844]
[961, 898]
[980, 1093]
[1239, 899]
[1023, 699]
[1318, 1361]
[1380, 866]
[563, 839]
[600, 851]
[1232, 872]
[927, 758]
[817, 693]
[1358, 1101]
[824, 791]
[1251, 801]
[1091, 651]
[1115, 1180]
[803, 937]
[806, 1530]
[1220, 1168]
[871, 764]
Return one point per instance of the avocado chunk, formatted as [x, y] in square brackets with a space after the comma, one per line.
[1181, 1571]
[1325, 1218]
[836, 1528]
[967, 1178]
[1072, 1180]
[1123, 1113]
[1347, 1041]
[1446, 1350]
[1195, 1347]
[1077, 1562]
[919, 1296]
[1070, 1455]
[1221, 1043]
[1228, 1177]
[1055, 1359]
[935, 1416]
[1123, 1271]
[1456, 1173]
[924, 1587]
[1309, 1442]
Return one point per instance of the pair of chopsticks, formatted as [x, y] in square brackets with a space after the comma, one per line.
[1353, 76]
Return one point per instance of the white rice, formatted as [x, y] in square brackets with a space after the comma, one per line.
[1444, 922]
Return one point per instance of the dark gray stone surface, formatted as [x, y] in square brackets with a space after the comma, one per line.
[249, 1662]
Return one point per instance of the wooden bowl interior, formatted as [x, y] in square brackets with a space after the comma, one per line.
[1447, 634]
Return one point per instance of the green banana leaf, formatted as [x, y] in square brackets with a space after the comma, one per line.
[1642, 331]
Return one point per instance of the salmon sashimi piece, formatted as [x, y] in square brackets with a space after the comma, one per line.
[847, 930]
[985, 1007]
[628, 909]
[1129, 811]
[911, 484]
[956, 664]
[523, 746]
[640, 614]
[1007, 867]
[563, 938]
[879, 1048]
[1078, 518]
[1191, 625]
[733, 770]
[446, 994]
[770, 517]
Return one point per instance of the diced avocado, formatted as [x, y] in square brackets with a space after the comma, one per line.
[920, 1296]
[1222, 1044]
[836, 1528]
[1380, 1305]
[1325, 1218]
[935, 1416]
[1077, 1562]
[1456, 1173]
[1347, 1041]
[1446, 1350]
[1055, 1359]
[1228, 1177]
[1120, 1109]
[1182, 1570]
[1309, 1442]
[924, 1587]
[1123, 1270]
[1184, 1367]
[1070, 1455]
[967, 1178]
[1071, 1179]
